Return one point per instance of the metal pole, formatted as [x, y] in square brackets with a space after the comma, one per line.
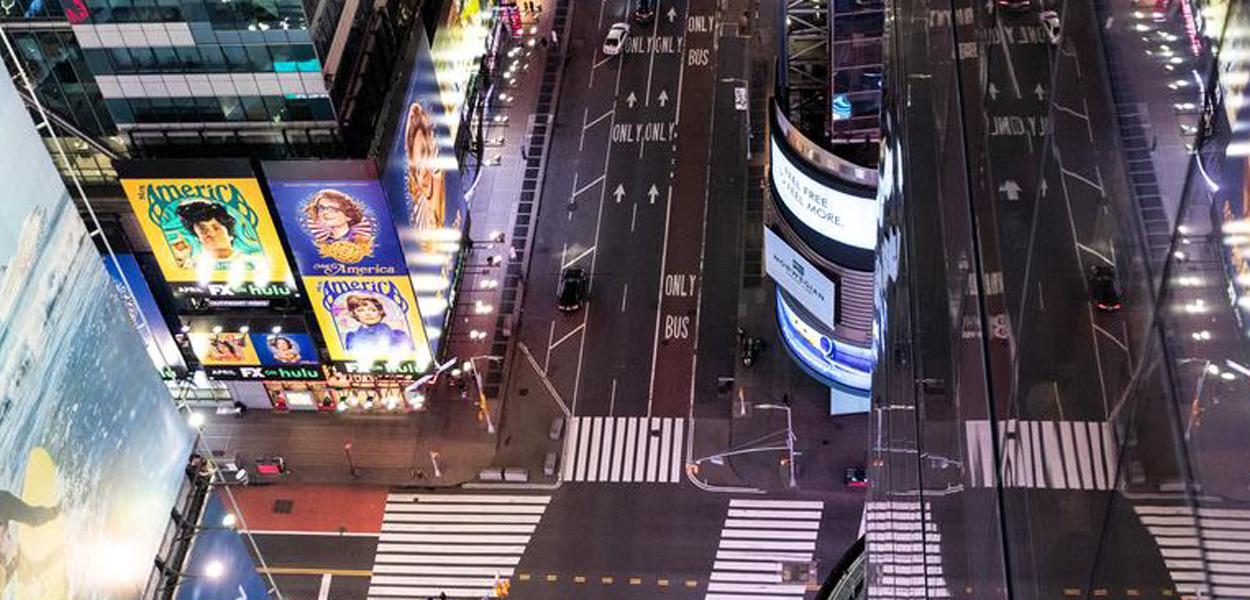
[790, 446]
[434, 459]
[351, 467]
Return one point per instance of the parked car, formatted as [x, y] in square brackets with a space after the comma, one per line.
[1015, 6]
[1104, 289]
[855, 477]
[616, 39]
[1050, 24]
[644, 13]
[572, 289]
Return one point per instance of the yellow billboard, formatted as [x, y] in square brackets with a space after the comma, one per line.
[369, 319]
[223, 348]
[209, 231]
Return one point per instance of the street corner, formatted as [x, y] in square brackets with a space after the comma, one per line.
[708, 464]
[309, 508]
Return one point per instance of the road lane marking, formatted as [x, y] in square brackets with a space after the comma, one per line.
[568, 335]
[314, 571]
[551, 334]
[588, 186]
[624, 297]
[1112, 337]
[1082, 179]
[323, 593]
[625, 449]
[578, 257]
[1095, 253]
[598, 119]
[633, 219]
[309, 533]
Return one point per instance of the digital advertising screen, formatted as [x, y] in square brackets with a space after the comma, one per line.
[145, 313]
[220, 549]
[233, 353]
[799, 277]
[827, 359]
[835, 214]
[208, 226]
[421, 178]
[458, 49]
[369, 320]
[94, 449]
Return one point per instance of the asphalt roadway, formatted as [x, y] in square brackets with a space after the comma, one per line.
[624, 199]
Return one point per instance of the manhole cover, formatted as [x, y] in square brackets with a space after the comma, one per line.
[283, 507]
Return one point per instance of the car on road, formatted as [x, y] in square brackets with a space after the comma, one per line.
[572, 289]
[1050, 24]
[1015, 6]
[616, 39]
[1104, 289]
[644, 13]
[855, 477]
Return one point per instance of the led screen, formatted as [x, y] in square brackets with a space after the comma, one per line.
[94, 448]
[828, 359]
[834, 214]
[145, 313]
[800, 278]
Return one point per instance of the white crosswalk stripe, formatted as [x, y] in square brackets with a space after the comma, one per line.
[758, 537]
[906, 546]
[1206, 551]
[624, 449]
[1079, 455]
[457, 544]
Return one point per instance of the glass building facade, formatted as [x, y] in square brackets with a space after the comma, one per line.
[1026, 442]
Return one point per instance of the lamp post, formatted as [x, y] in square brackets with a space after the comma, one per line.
[789, 436]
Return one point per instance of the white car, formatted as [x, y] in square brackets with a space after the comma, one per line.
[616, 39]
[1050, 24]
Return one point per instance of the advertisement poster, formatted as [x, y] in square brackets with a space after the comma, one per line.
[369, 319]
[796, 275]
[458, 48]
[283, 349]
[223, 349]
[146, 315]
[94, 448]
[211, 229]
[832, 213]
[422, 183]
[223, 548]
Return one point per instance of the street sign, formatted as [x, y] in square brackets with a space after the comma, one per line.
[740, 98]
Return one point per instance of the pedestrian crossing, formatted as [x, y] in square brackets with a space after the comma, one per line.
[1079, 455]
[905, 546]
[757, 538]
[1207, 554]
[624, 449]
[457, 544]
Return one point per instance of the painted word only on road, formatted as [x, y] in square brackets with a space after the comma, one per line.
[663, 44]
[657, 131]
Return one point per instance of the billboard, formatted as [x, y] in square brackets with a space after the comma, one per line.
[837, 215]
[800, 278]
[285, 352]
[219, 549]
[146, 315]
[458, 49]
[94, 448]
[421, 179]
[338, 224]
[827, 359]
[208, 226]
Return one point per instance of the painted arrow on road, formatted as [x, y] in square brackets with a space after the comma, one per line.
[1040, 92]
[1043, 187]
[631, 99]
[663, 98]
[672, 14]
[652, 193]
[993, 91]
[1011, 188]
[619, 192]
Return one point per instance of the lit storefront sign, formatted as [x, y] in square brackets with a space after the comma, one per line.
[208, 226]
[423, 187]
[338, 224]
[827, 359]
[837, 215]
[816, 292]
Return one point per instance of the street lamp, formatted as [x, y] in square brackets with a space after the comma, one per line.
[789, 436]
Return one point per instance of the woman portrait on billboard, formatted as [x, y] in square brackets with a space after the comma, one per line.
[213, 229]
[284, 349]
[339, 226]
[428, 207]
[226, 348]
[372, 333]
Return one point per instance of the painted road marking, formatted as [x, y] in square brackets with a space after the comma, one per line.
[624, 449]
[1044, 454]
[758, 535]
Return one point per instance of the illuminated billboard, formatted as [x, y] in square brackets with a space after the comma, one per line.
[800, 278]
[338, 223]
[818, 204]
[94, 449]
[422, 182]
[829, 360]
[281, 353]
[208, 226]
[144, 312]
[457, 52]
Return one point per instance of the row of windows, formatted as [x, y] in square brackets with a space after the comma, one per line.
[204, 59]
[225, 109]
[61, 79]
[233, 14]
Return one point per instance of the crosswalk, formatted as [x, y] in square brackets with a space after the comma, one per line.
[624, 449]
[904, 545]
[457, 544]
[757, 538]
[1207, 554]
[1080, 455]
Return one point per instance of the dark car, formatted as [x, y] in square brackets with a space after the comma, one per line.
[855, 477]
[1104, 289]
[572, 289]
[1015, 6]
[644, 12]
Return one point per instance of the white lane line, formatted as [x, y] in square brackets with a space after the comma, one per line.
[633, 219]
[653, 448]
[774, 514]
[748, 577]
[453, 518]
[451, 538]
[618, 442]
[551, 334]
[430, 592]
[570, 448]
[624, 296]
[455, 528]
[733, 565]
[323, 593]
[468, 499]
[764, 534]
[666, 450]
[1095, 253]
[583, 448]
[807, 504]
[679, 429]
[1112, 338]
[1081, 441]
[655, 347]
[640, 461]
[568, 335]
[308, 533]
[1054, 461]
[596, 439]
[788, 588]
[770, 524]
[768, 555]
[767, 545]
[588, 186]
[399, 548]
[578, 257]
[630, 434]
[600, 63]
[597, 120]
[432, 581]
[455, 559]
[605, 458]
[1071, 471]
[1082, 179]
[1096, 455]
[451, 508]
[487, 571]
